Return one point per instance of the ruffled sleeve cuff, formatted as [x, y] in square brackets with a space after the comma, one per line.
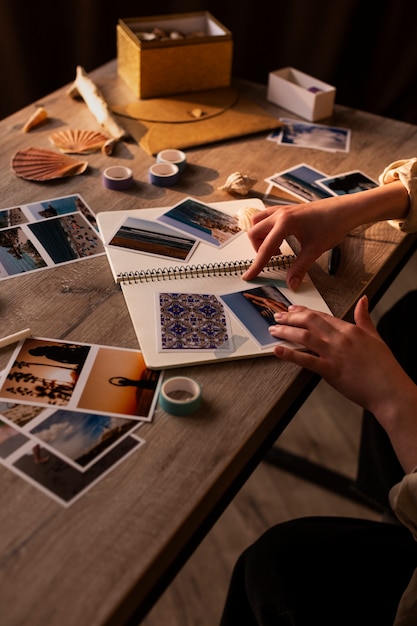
[406, 171]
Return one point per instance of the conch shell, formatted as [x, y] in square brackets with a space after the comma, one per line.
[40, 164]
[238, 183]
[244, 217]
[37, 117]
[73, 141]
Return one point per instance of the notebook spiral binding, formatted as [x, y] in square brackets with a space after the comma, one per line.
[225, 268]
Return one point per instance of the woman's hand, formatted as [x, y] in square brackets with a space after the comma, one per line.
[355, 360]
[352, 358]
[316, 225]
[320, 225]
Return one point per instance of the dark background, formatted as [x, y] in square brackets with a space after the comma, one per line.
[367, 50]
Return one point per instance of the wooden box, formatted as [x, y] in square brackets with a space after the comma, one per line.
[200, 59]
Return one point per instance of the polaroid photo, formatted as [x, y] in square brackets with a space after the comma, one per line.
[348, 182]
[190, 322]
[81, 377]
[300, 181]
[81, 439]
[318, 136]
[39, 211]
[44, 234]
[254, 308]
[59, 480]
[275, 134]
[203, 222]
[153, 238]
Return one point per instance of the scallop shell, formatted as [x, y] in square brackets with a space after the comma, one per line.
[73, 141]
[244, 217]
[40, 164]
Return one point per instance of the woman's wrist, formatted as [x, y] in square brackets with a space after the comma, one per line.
[389, 202]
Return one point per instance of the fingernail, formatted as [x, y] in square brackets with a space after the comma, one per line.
[294, 283]
[278, 316]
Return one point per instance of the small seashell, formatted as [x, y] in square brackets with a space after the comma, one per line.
[244, 217]
[78, 141]
[174, 34]
[238, 183]
[40, 164]
[197, 113]
[37, 117]
[145, 36]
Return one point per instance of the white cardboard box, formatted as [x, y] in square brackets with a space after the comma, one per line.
[301, 94]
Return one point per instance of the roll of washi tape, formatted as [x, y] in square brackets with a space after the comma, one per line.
[164, 174]
[118, 177]
[180, 395]
[173, 156]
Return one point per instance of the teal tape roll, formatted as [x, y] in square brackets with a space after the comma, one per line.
[180, 395]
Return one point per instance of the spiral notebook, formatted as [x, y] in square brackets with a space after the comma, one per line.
[185, 295]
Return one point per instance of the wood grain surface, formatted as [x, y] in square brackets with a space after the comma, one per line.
[100, 559]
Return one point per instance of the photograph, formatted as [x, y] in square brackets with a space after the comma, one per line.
[151, 237]
[44, 372]
[81, 438]
[12, 217]
[318, 136]
[60, 480]
[201, 221]
[18, 254]
[20, 414]
[51, 373]
[43, 234]
[190, 321]
[62, 205]
[348, 182]
[67, 238]
[255, 308]
[126, 386]
[300, 181]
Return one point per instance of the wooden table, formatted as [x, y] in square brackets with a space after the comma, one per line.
[105, 559]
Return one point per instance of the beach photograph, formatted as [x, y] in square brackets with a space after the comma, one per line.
[67, 238]
[62, 205]
[255, 308]
[301, 181]
[348, 182]
[153, 238]
[18, 254]
[12, 217]
[44, 372]
[81, 438]
[60, 480]
[127, 387]
[208, 224]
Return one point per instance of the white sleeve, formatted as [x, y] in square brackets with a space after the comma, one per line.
[404, 170]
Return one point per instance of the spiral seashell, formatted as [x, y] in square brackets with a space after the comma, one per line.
[244, 217]
[40, 164]
[238, 183]
[74, 141]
